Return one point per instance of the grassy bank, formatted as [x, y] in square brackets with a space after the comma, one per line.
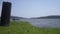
[26, 28]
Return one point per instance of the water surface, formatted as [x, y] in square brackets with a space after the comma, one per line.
[53, 23]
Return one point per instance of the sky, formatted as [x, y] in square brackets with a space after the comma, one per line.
[33, 8]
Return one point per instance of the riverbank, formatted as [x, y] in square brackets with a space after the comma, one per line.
[26, 28]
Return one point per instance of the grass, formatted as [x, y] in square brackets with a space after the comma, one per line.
[26, 28]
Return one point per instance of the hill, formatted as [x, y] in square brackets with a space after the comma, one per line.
[48, 17]
[15, 17]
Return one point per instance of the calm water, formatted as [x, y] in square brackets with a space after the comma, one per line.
[54, 23]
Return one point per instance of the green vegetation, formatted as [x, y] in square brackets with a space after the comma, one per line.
[26, 28]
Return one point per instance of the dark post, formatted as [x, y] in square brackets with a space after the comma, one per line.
[5, 16]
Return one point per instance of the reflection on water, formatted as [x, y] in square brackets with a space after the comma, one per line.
[44, 22]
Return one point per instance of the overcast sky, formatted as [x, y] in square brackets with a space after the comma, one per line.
[34, 8]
